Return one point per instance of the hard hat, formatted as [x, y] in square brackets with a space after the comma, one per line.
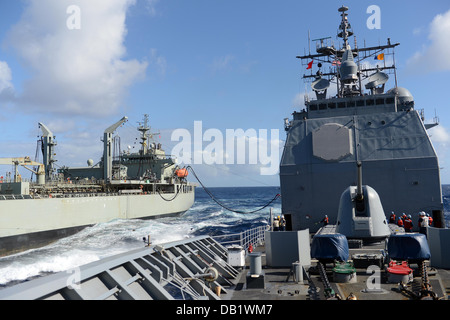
[409, 216]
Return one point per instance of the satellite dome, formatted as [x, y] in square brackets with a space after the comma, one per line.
[404, 96]
[90, 162]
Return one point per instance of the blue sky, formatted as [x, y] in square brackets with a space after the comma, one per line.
[230, 64]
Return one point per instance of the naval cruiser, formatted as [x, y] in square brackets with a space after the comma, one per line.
[352, 119]
[61, 202]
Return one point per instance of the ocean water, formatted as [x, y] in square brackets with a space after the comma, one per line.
[117, 236]
[107, 239]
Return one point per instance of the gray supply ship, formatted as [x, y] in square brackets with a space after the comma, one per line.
[354, 157]
[123, 185]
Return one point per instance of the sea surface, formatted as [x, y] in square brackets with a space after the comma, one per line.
[107, 239]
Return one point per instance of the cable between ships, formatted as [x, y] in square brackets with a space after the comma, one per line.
[224, 206]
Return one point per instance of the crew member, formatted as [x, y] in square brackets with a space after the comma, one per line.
[400, 222]
[408, 224]
[392, 217]
[430, 220]
[282, 223]
[403, 217]
[276, 224]
[423, 223]
[325, 221]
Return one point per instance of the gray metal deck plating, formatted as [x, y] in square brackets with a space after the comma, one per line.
[177, 270]
[160, 272]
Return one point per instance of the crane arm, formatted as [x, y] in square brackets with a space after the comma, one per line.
[24, 162]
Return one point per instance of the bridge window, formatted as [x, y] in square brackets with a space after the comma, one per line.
[390, 100]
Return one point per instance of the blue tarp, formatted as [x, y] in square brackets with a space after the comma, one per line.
[408, 246]
[330, 247]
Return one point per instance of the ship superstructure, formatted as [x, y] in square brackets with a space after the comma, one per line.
[146, 184]
[352, 119]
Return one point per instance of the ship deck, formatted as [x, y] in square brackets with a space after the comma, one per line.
[281, 285]
[280, 282]
[155, 273]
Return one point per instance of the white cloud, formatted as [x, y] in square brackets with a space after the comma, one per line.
[5, 76]
[434, 56]
[440, 135]
[222, 63]
[81, 71]
[299, 100]
[158, 61]
[150, 5]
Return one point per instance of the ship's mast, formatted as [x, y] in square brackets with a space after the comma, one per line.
[348, 71]
[345, 26]
[144, 129]
[343, 70]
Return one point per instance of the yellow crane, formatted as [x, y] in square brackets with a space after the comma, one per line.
[25, 162]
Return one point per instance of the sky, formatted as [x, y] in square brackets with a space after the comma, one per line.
[195, 66]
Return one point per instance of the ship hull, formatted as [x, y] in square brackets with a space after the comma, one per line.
[33, 223]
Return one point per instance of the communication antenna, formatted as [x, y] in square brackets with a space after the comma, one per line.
[320, 87]
[376, 82]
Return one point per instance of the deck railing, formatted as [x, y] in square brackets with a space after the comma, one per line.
[254, 236]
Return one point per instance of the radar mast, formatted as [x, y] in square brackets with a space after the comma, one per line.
[345, 67]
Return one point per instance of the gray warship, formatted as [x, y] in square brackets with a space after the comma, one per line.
[354, 157]
[381, 130]
[63, 201]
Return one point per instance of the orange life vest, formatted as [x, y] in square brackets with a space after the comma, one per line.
[408, 224]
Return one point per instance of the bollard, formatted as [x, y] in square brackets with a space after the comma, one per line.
[255, 263]
[255, 277]
[298, 272]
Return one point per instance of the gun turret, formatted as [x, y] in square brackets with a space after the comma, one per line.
[360, 203]
[361, 213]
[359, 188]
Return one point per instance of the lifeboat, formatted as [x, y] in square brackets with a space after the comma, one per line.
[182, 173]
